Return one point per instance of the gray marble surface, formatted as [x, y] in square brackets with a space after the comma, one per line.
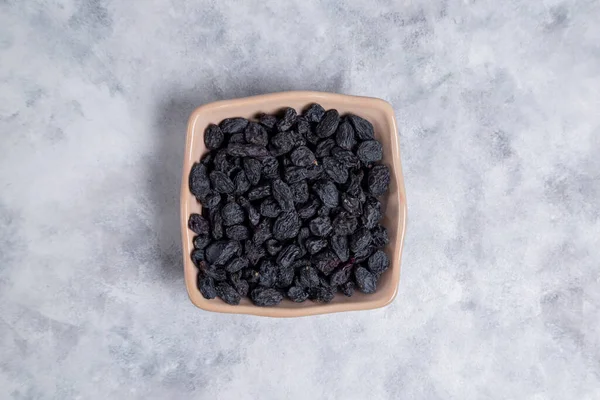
[498, 105]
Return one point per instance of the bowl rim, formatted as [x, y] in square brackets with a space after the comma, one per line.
[190, 270]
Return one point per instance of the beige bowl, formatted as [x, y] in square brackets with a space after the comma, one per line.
[381, 115]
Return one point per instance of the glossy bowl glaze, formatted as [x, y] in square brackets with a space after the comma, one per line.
[381, 115]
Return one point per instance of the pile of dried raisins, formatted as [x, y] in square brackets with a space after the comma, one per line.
[290, 208]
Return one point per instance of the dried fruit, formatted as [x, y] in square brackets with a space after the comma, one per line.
[347, 288]
[259, 192]
[206, 284]
[237, 232]
[328, 124]
[324, 148]
[288, 119]
[299, 192]
[370, 151]
[371, 213]
[239, 284]
[198, 224]
[286, 226]
[252, 168]
[266, 297]
[218, 253]
[199, 182]
[380, 236]
[360, 240]
[314, 245]
[344, 224]
[273, 247]
[362, 127]
[246, 150]
[216, 223]
[263, 232]
[325, 261]
[339, 244]
[213, 137]
[297, 294]
[269, 208]
[227, 293]
[232, 214]
[201, 241]
[253, 215]
[303, 157]
[320, 226]
[237, 264]
[314, 113]
[378, 262]
[287, 256]
[327, 192]
[379, 180]
[341, 275]
[294, 174]
[344, 136]
[366, 281]
[233, 125]
[221, 183]
[256, 134]
[268, 120]
[337, 171]
[282, 194]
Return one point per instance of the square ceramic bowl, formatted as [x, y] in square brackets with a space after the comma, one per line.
[381, 115]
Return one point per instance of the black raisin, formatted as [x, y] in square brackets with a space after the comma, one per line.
[379, 180]
[282, 194]
[287, 256]
[246, 150]
[308, 277]
[371, 213]
[265, 297]
[337, 171]
[303, 157]
[324, 148]
[270, 167]
[285, 277]
[309, 209]
[273, 247]
[320, 226]
[268, 273]
[253, 215]
[232, 214]
[302, 125]
[252, 168]
[293, 174]
[216, 223]
[327, 192]
[228, 294]
[213, 137]
[198, 224]
[263, 232]
[297, 294]
[218, 253]
[197, 256]
[347, 288]
[256, 134]
[351, 204]
[268, 120]
[201, 241]
[299, 192]
[378, 262]
[253, 252]
[269, 208]
[259, 192]
[288, 119]
[314, 113]
[301, 239]
[237, 264]
[344, 136]
[221, 182]
[340, 275]
[314, 172]
[345, 157]
[328, 124]
[237, 232]
[360, 240]
[251, 275]
[362, 127]
[339, 244]
[380, 236]
[199, 182]
[241, 182]
[286, 226]
[237, 138]
[344, 224]
[239, 284]
[325, 261]
[206, 284]
[321, 294]
[314, 245]
[369, 151]
[365, 280]
[233, 125]
[281, 143]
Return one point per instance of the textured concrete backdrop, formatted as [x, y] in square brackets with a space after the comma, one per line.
[498, 104]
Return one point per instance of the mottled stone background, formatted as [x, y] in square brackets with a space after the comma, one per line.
[498, 104]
